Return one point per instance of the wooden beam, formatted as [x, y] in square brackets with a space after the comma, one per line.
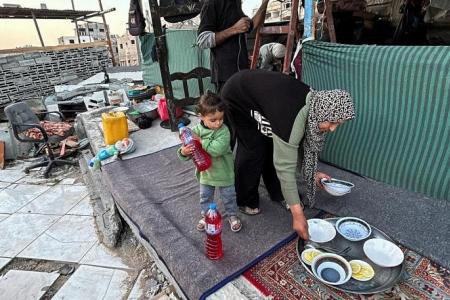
[275, 30]
[111, 51]
[76, 24]
[293, 27]
[37, 28]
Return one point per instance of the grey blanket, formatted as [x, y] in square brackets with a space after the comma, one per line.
[161, 195]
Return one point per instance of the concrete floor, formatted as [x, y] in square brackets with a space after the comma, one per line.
[51, 222]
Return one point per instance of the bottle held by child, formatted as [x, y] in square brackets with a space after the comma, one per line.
[201, 158]
[213, 240]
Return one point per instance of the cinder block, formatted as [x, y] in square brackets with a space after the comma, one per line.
[10, 65]
[43, 60]
[20, 69]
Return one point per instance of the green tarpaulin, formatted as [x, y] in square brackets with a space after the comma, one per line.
[183, 55]
[401, 134]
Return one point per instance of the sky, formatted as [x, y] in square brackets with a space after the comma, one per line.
[18, 33]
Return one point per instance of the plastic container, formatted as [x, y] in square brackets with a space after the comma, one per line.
[115, 127]
[213, 240]
[201, 158]
[163, 111]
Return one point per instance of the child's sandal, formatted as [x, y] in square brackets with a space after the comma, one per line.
[235, 223]
[201, 225]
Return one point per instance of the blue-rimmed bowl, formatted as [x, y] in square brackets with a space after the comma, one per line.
[353, 229]
[331, 269]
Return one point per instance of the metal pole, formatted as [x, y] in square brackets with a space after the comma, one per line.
[107, 34]
[37, 28]
[76, 24]
[308, 19]
[161, 51]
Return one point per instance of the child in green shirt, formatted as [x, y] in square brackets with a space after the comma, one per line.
[215, 139]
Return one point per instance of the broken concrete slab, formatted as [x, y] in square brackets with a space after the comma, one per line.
[19, 230]
[138, 289]
[25, 285]
[83, 208]
[4, 261]
[93, 283]
[107, 218]
[69, 239]
[58, 200]
[100, 256]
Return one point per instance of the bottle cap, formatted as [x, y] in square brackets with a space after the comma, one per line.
[180, 125]
[212, 206]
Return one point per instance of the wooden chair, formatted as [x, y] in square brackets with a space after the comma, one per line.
[198, 73]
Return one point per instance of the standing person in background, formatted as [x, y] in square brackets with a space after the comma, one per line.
[223, 26]
[271, 56]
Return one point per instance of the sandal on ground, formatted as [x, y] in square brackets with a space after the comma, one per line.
[201, 225]
[249, 211]
[235, 223]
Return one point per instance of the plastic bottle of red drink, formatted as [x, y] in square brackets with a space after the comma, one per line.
[213, 241]
[201, 158]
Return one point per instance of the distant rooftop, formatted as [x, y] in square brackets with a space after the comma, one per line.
[26, 13]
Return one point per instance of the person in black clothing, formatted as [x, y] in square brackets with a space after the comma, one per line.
[280, 125]
[222, 28]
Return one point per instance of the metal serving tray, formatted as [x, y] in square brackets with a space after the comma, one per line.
[384, 279]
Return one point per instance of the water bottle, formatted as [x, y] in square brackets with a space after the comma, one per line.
[213, 241]
[201, 158]
[103, 154]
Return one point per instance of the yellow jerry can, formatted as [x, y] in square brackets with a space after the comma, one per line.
[115, 127]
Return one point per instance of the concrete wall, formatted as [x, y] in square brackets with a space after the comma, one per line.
[34, 74]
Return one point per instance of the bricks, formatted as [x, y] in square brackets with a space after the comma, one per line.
[27, 62]
[35, 74]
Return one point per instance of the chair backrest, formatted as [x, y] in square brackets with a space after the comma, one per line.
[19, 113]
[198, 73]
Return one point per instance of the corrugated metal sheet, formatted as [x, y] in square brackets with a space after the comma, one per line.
[401, 135]
[183, 55]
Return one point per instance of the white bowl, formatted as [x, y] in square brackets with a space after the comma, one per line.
[337, 187]
[331, 269]
[320, 231]
[353, 229]
[383, 252]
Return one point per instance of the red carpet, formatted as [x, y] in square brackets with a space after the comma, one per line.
[282, 276]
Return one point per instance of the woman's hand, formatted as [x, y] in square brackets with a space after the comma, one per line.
[187, 150]
[299, 223]
[319, 176]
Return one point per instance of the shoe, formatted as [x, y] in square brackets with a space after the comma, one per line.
[249, 211]
[235, 223]
[201, 224]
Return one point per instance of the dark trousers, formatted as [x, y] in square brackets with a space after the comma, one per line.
[254, 158]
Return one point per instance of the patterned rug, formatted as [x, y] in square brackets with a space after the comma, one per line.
[281, 276]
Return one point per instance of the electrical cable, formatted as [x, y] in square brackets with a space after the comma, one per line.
[239, 52]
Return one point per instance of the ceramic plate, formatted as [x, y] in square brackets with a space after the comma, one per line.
[353, 229]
